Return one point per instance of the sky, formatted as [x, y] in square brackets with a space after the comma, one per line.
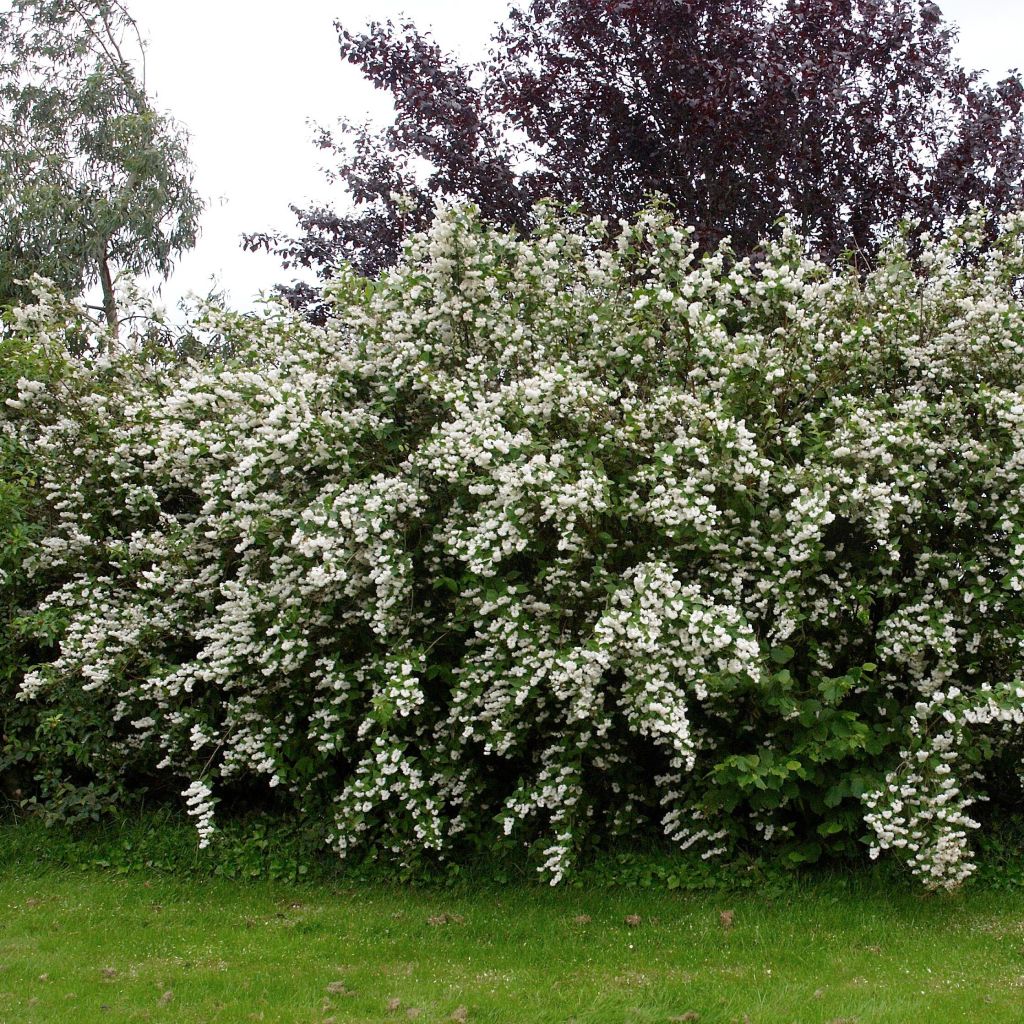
[247, 79]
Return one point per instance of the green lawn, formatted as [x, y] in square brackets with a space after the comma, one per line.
[88, 945]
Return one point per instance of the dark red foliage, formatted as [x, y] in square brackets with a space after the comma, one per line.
[847, 115]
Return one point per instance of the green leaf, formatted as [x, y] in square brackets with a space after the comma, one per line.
[782, 654]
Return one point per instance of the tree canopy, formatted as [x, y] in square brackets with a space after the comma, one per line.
[92, 178]
[846, 115]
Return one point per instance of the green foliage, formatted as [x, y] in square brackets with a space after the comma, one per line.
[21, 516]
[162, 841]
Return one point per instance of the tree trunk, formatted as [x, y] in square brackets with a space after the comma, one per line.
[109, 303]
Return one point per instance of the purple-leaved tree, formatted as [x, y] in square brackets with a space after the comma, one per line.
[846, 115]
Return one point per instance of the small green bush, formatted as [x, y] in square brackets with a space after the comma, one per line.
[547, 540]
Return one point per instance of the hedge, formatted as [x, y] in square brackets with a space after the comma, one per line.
[544, 539]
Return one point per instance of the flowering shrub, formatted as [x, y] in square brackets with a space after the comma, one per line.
[554, 538]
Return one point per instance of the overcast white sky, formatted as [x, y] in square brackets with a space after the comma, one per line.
[246, 76]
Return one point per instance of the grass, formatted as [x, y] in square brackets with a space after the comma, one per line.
[87, 945]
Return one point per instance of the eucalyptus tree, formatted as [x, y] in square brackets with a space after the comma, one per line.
[93, 179]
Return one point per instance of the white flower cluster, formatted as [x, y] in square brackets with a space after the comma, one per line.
[579, 533]
[199, 804]
[921, 811]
